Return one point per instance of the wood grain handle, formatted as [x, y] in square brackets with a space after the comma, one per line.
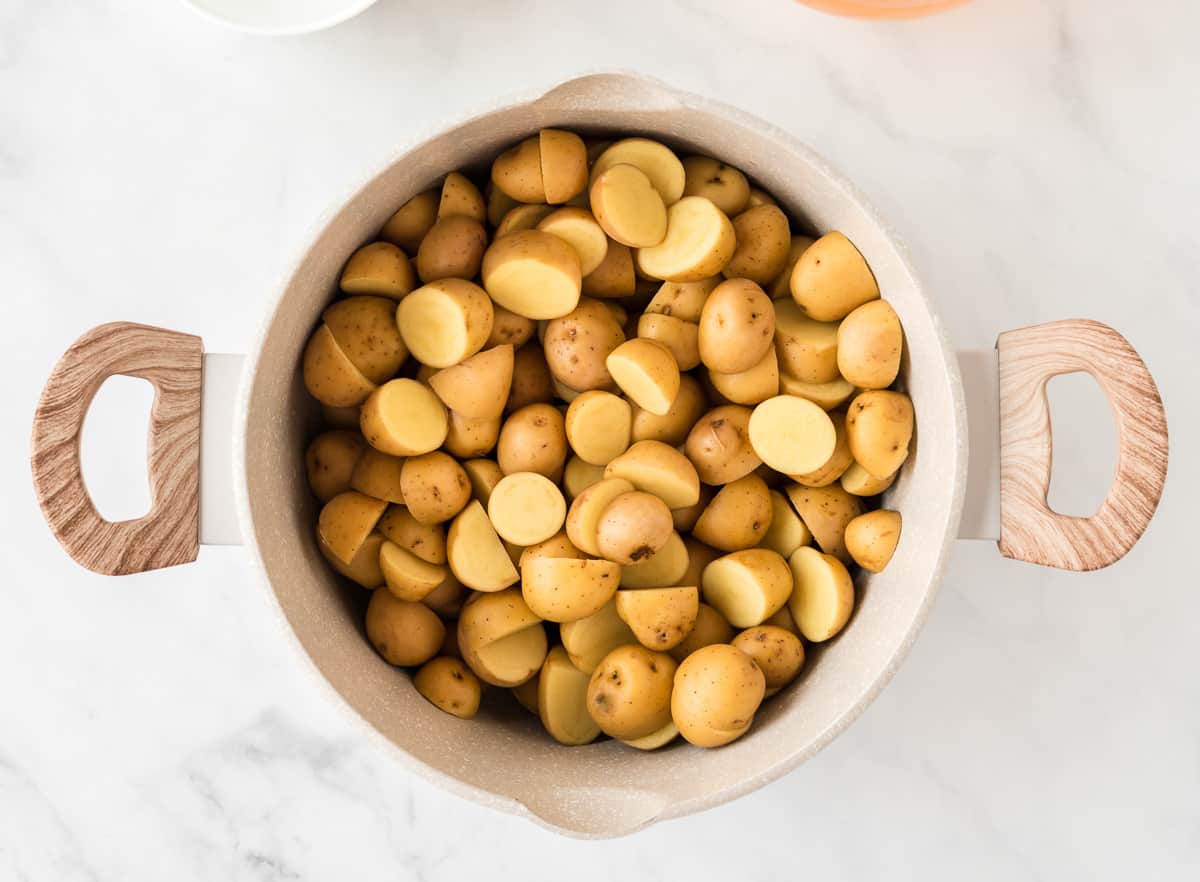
[1029, 529]
[169, 533]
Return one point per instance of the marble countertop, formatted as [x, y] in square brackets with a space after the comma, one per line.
[1040, 158]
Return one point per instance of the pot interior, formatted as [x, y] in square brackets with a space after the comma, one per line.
[503, 757]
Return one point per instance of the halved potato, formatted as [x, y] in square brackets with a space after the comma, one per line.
[683, 300]
[781, 288]
[719, 445]
[531, 382]
[826, 511]
[658, 468]
[738, 516]
[501, 639]
[532, 273]
[655, 740]
[533, 439]
[518, 171]
[346, 521]
[579, 229]
[792, 435]
[871, 538]
[588, 640]
[807, 348]
[628, 207]
[879, 428]
[484, 475]
[870, 341]
[583, 518]
[699, 242]
[747, 587]
[330, 461]
[763, 241]
[737, 326]
[445, 321]
[646, 372]
[448, 598]
[598, 424]
[475, 552]
[403, 632]
[725, 186]
[526, 694]
[577, 344]
[435, 487]
[667, 567]
[470, 437]
[477, 387]
[378, 474]
[656, 161]
[498, 202]
[673, 426]
[710, 628]
[823, 597]
[615, 276]
[509, 328]
[778, 653]
[563, 158]
[787, 532]
[558, 545]
[629, 693]
[526, 508]
[450, 686]
[699, 557]
[426, 541]
[329, 375]
[718, 689]
[407, 576]
[522, 217]
[831, 278]
[408, 226]
[838, 461]
[682, 338]
[825, 395]
[564, 589]
[860, 482]
[379, 268]
[363, 568]
[578, 475]
[461, 197]
[453, 249]
[751, 386]
[562, 700]
[660, 618]
[633, 527]
[365, 329]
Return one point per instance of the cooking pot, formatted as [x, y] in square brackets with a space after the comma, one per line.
[226, 466]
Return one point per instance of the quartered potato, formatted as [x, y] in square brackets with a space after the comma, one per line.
[426, 541]
[718, 689]
[826, 511]
[408, 576]
[449, 685]
[462, 198]
[330, 462]
[721, 184]
[445, 322]
[501, 639]
[475, 553]
[719, 445]
[871, 538]
[660, 618]
[416, 217]
[454, 248]
[699, 243]
[629, 694]
[738, 516]
[378, 474]
[673, 426]
[823, 597]
[667, 567]
[329, 375]
[660, 469]
[870, 341]
[588, 640]
[566, 589]
[365, 330]
[628, 207]
[778, 653]
[807, 348]
[562, 700]
[346, 521]
[647, 372]
[747, 587]
[579, 228]
[380, 268]
[831, 278]
[477, 387]
[879, 427]
[656, 161]
[682, 338]
[533, 273]
[763, 244]
[405, 633]
[787, 532]
[484, 475]
[363, 568]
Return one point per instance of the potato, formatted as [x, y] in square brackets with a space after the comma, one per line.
[633, 527]
[646, 372]
[445, 322]
[869, 343]
[531, 383]
[685, 518]
[340, 417]
[562, 700]
[526, 693]
[526, 508]
[563, 158]
[408, 226]
[787, 532]
[860, 482]
[564, 589]
[403, 632]
[578, 343]
[329, 375]
[826, 511]
[475, 553]
[751, 386]
[629, 693]
[783, 619]
[377, 474]
[725, 186]
[683, 300]
[660, 469]
[330, 461]
[498, 203]
[583, 517]
[672, 427]
[763, 241]
[664, 569]
[435, 487]
[588, 640]
[447, 600]
[792, 435]
[831, 278]
[807, 349]
[363, 568]
[365, 330]
[470, 437]
[579, 229]
[655, 740]
[381, 269]
[682, 338]
[737, 326]
[460, 197]
[871, 538]
[346, 521]
[838, 461]
[781, 287]
[717, 691]
[518, 171]
[532, 273]
[827, 396]
[453, 249]
[778, 653]
[710, 628]
[598, 425]
[449, 685]
[823, 598]
[747, 587]
[628, 207]
[699, 557]
[660, 618]
[760, 197]
[426, 541]
[719, 445]
[408, 576]
[879, 427]
[559, 545]
[738, 516]
[477, 387]
[501, 639]
[656, 161]
[484, 475]
[533, 440]
[615, 276]
[522, 217]
[509, 328]
[699, 242]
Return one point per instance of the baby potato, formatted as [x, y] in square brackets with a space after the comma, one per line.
[699, 243]
[583, 517]
[475, 553]
[683, 300]
[628, 207]
[738, 516]
[710, 628]
[445, 322]
[778, 653]
[363, 568]
[656, 161]
[781, 289]
[330, 461]
[562, 700]
[477, 387]
[763, 241]
[685, 518]
[347, 520]
[737, 326]
[453, 249]
[469, 437]
[646, 372]
[615, 276]
[682, 338]
[826, 511]
[660, 618]
[719, 445]
[588, 640]
[577, 345]
[329, 375]
[629, 694]
[409, 577]
[598, 424]
[787, 532]
[633, 527]
[760, 197]
[484, 475]
[447, 600]
[526, 508]
[459, 197]
[823, 598]
[531, 382]
[578, 475]
[365, 330]
[869, 342]
[838, 461]
[532, 273]
[827, 396]
[435, 487]
[879, 427]
[377, 474]
[381, 269]
[751, 386]
[522, 217]
[558, 545]
[526, 693]
[501, 640]
[498, 203]
[723, 185]
[340, 417]
[655, 740]
[509, 328]
[416, 217]
[659, 469]
[564, 589]
[563, 158]
[871, 538]
[518, 171]
[426, 541]
[717, 691]
[831, 278]
[699, 557]
[807, 349]
[403, 632]
[579, 229]
[449, 685]
[664, 569]
[860, 482]
[672, 427]
[533, 439]
[747, 587]
[792, 435]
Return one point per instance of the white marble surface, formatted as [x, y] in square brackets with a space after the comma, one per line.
[1040, 156]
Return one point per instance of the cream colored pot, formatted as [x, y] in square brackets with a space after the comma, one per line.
[506, 762]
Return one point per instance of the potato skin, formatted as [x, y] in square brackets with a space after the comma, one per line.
[738, 516]
[633, 527]
[764, 240]
[672, 427]
[330, 461]
[577, 344]
[534, 439]
[453, 248]
[718, 689]
[435, 487]
[879, 427]
[710, 628]
[629, 695]
[531, 382]
[404, 632]
[778, 653]
[719, 445]
[737, 326]
[869, 344]
[831, 278]
[450, 686]
[871, 538]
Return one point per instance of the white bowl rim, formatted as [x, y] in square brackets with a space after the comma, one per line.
[350, 9]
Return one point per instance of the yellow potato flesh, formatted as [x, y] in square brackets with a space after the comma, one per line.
[589, 640]
[404, 418]
[526, 508]
[699, 242]
[792, 435]
[823, 597]
[628, 207]
[646, 372]
[747, 587]
[562, 700]
[475, 553]
[656, 161]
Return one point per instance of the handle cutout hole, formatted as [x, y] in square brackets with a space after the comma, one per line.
[114, 448]
[1085, 444]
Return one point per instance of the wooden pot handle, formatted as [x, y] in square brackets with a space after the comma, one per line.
[1029, 529]
[169, 533]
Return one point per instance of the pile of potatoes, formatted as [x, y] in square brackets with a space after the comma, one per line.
[608, 434]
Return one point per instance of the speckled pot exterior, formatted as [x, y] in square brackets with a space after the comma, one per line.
[504, 760]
